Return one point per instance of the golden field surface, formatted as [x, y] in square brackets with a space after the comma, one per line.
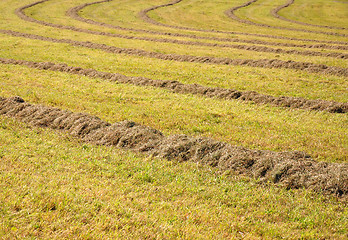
[259, 79]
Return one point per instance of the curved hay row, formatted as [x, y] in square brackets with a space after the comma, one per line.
[74, 13]
[275, 11]
[230, 14]
[177, 87]
[143, 15]
[263, 63]
[254, 48]
[289, 169]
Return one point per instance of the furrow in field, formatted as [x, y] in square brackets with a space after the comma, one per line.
[233, 46]
[276, 10]
[143, 15]
[230, 13]
[263, 63]
[74, 13]
[177, 87]
[290, 169]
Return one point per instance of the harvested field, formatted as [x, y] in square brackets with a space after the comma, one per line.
[175, 86]
[173, 119]
[74, 13]
[291, 169]
[263, 63]
[231, 13]
[143, 14]
[275, 13]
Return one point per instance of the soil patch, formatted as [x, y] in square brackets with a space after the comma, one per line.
[289, 169]
[177, 87]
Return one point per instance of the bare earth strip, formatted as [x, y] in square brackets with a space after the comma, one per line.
[230, 13]
[74, 13]
[177, 87]
[263, 63]
[276, 10]
[289, 169]
[235, 46]
[143, 15]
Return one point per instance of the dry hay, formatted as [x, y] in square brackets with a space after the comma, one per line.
[275, 11]
[265, 63]
[74, 13]
[262, 63]
[177, 87]
[230, 13]
[289, 169]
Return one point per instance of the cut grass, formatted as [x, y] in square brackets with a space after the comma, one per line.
[320, 12]
[167, 48]
[259, 12]
[275, 82]
[75, 190]
[53, 187]
[115, 12]
[210, 15]
[246, 124]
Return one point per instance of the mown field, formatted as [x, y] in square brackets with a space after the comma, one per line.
[226, 119]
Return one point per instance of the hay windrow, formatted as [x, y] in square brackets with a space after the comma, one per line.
[20, 13]
[143, 15]
[177, 87]
[273, 63]
[74, 13]
[291, 170]
[276, 10]
[230, 14]
[263, 63]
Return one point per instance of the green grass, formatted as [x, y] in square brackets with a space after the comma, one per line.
[55, 187]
